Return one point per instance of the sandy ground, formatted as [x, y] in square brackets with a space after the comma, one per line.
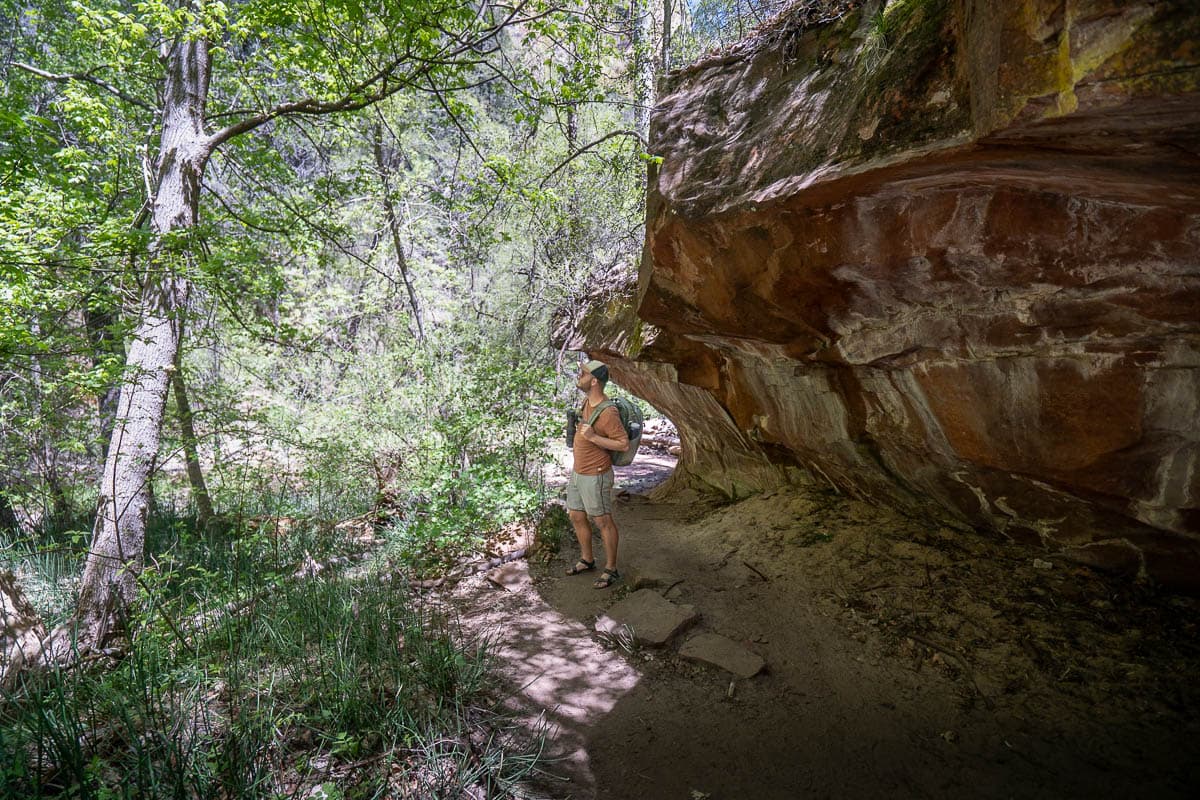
[903, 660]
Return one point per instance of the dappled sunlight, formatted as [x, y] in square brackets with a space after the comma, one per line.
[568, 672]
[555, 668]
[647, 472]
[306, 349]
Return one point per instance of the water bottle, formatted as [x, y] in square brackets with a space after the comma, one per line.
[572, 421]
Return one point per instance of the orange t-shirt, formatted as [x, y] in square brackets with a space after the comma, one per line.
[591, 459]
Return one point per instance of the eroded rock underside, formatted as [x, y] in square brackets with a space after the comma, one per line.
[943, 255]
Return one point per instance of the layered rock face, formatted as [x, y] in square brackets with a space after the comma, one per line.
[943, 254]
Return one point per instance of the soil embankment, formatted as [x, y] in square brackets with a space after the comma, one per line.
[902, 659]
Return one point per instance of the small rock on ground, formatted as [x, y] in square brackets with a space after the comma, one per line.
[510, 576]
[649, 579]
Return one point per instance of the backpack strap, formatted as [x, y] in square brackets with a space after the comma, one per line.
[609, 403]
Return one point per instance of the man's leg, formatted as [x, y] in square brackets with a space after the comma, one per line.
[611, 538]
[576, 510]
[583, 532]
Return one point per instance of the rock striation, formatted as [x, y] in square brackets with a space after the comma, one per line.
[942, 254]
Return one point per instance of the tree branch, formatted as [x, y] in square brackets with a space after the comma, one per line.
[461, 130]
[83, 77]
[310, 106]
[588, 147]
[358, 97]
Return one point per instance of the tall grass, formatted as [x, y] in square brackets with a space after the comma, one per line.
[337, 682]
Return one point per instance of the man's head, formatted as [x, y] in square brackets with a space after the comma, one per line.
[591, 372]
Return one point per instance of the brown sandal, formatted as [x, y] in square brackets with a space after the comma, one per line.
[606, 579]
[587, 566]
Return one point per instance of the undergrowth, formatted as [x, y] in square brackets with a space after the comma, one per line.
[244, 679]
[446, 526]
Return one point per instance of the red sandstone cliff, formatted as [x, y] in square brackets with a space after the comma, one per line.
[947, 259]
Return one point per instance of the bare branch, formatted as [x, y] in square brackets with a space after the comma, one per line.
[383, 83]
[588, 147]
[461, 130]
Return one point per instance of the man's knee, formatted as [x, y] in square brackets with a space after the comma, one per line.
[577, 517]
[606, 523]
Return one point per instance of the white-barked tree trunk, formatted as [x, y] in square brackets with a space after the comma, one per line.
[117, 551]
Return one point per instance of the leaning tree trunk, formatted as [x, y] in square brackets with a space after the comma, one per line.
[385, 170]
[115, 558]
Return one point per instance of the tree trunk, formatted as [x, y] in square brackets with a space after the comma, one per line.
[641, 25]
[8, 515]
[204, 509]
[393, 221]
[665, 66]
[21, 630]
[115, 559]
[56, 508]
[574, 218]
[61, 511]
[99, 324]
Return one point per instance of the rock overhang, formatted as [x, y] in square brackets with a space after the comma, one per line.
[964, 279]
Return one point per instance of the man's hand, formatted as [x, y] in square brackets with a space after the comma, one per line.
[595, 438]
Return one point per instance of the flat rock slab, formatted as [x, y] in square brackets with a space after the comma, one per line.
[510, 576]
[653, 619]
[724, 653]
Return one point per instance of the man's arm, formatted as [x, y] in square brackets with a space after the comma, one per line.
[607, 432]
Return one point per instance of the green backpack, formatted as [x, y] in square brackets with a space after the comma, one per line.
[631, 421]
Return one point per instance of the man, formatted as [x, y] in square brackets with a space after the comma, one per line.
[589, 492]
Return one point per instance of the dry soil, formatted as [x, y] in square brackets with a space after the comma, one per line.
[904, 659]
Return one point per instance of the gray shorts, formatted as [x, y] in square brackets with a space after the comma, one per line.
[590, 493]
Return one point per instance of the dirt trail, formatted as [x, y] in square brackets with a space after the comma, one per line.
[903, 660]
